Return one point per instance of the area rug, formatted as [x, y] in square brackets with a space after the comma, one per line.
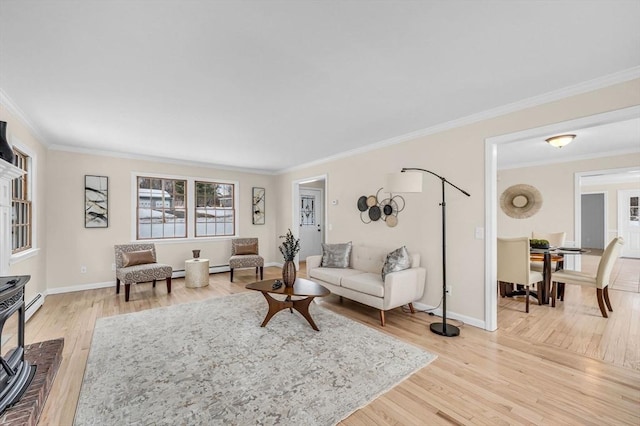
[210, 362]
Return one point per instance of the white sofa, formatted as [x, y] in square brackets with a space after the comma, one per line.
[362, 280]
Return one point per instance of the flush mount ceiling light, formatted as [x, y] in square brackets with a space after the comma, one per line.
[560, 140]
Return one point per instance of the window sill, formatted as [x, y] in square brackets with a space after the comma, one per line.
[185, 240]
[23, 255]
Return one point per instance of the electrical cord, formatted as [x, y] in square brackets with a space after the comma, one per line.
[430, 313]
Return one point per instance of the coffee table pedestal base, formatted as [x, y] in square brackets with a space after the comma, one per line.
[301, 306]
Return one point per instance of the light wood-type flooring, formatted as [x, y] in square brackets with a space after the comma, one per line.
[554, 366]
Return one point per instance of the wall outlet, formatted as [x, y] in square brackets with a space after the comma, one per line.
[479, 233]
[83, 269]
[449, 290]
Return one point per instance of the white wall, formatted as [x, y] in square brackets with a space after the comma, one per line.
[556, 183]
[34, 263]
[458, 155]
[72, 245]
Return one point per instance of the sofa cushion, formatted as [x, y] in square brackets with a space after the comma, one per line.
[336, 255]
[397, 260]
[368, 259]
[332, 275]
[368, 283]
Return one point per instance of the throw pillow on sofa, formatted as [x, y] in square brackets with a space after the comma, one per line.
[397, 260]
[336, 255]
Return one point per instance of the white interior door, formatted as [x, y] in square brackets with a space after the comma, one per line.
[311, 222]
[629, 222]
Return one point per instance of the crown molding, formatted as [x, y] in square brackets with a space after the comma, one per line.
[131, 156]
[577, 89]
[14, 109]
[570, 160]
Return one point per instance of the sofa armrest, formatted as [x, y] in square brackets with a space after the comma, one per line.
[313, 262]
[404, 287]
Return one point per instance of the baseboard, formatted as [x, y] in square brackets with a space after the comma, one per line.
[81, 287]
[177, 273]
[34, 305]
[450, 315]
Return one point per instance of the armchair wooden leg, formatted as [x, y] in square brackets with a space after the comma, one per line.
[117, 286]
[413, 311]
[526, 299]
[154, 283]
[261, 273]
[127, 291]
[603, 311]
[381, 317]
[605, 292]
[231, 274]
[168, 284]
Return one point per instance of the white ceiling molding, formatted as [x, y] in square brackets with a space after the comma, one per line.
[14, 109]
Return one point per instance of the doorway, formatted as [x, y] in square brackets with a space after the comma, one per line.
[309, 215]
[629, 222]
[491, 196]
[593, 222]
[311, 224]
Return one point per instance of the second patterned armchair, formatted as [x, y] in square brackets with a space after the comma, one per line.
[244, 254]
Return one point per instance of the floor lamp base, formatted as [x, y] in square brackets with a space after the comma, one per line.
[445, 329]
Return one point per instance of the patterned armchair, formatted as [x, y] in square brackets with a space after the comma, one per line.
[244, 254]
[136, 263]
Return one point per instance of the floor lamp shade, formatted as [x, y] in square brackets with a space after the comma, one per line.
[403, 182]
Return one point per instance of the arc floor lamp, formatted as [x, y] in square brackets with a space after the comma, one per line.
[412, 182]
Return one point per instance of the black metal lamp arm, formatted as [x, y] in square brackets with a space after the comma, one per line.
[443, 328]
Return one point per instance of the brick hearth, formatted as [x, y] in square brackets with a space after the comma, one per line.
[47, 356]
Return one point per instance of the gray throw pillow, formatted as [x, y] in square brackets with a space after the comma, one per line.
[336, 255]
[397, 260]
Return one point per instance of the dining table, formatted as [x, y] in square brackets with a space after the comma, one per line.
[549, 255]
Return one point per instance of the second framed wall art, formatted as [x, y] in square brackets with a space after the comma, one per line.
[257, 205]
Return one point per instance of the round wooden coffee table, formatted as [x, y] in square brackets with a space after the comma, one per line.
[307, 289]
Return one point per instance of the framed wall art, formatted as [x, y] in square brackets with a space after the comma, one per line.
[96, 201]
[257, 205]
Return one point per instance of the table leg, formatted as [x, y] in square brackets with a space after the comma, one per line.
[276, 306]
[546, 274]
[302, 306]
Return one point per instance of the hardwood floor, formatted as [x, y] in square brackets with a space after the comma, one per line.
[564, 365]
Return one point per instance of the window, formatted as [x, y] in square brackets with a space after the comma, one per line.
[215, 209]
[162, 208]
[21, 222]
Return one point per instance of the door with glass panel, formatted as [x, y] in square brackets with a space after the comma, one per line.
[311, 222]
[629, 222]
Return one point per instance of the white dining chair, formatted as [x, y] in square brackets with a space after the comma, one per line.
[556, 239]
[600, 281]
[514, 265]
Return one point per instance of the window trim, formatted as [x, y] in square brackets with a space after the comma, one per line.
[191, 200]
[32, 189]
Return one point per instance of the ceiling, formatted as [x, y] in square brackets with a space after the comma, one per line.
[270, 85]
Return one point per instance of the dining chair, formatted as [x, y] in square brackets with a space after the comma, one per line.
[600, 281]
[514, 265]
[556, 239]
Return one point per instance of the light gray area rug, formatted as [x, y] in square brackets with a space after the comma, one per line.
[210, 362]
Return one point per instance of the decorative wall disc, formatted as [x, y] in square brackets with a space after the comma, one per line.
[362, 204]
[374, 213]
[521, 201]
[372, 200]
[391, 221]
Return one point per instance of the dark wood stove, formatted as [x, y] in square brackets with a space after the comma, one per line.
[15, 372]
